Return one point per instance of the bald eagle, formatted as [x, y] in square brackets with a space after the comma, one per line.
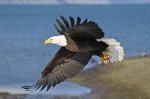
[79, 41]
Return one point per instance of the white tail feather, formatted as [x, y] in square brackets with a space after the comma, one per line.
[115, 49]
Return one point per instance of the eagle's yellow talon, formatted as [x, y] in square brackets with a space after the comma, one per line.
[106, 57]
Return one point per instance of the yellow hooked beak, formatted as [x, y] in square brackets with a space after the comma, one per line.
[48, 41]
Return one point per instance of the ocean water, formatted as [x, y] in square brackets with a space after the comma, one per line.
[65, 88]
[23, 29]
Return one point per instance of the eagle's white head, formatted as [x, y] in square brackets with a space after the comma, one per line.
[58, 40]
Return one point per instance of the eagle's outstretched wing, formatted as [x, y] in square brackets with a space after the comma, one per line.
[65, 64]
[84, 28]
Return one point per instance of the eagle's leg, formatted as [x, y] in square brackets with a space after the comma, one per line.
[105, 57]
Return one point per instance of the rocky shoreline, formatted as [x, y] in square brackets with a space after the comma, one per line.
[5, 95]
[123, 80]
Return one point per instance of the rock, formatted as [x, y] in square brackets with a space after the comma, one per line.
[129, 79]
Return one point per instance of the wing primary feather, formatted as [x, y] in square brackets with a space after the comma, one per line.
[58, 29]
[38, 85]
[44, 82]
[49, 82]
[65, 22]
[55, 80]
[63, 28]
[61, 77]
[78, 20]
[58, 77]
[85, 21]
[35, 86]
[71, 21]
[26, 87]
[52, 80]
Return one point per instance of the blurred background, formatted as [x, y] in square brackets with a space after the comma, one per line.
[25, 24]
